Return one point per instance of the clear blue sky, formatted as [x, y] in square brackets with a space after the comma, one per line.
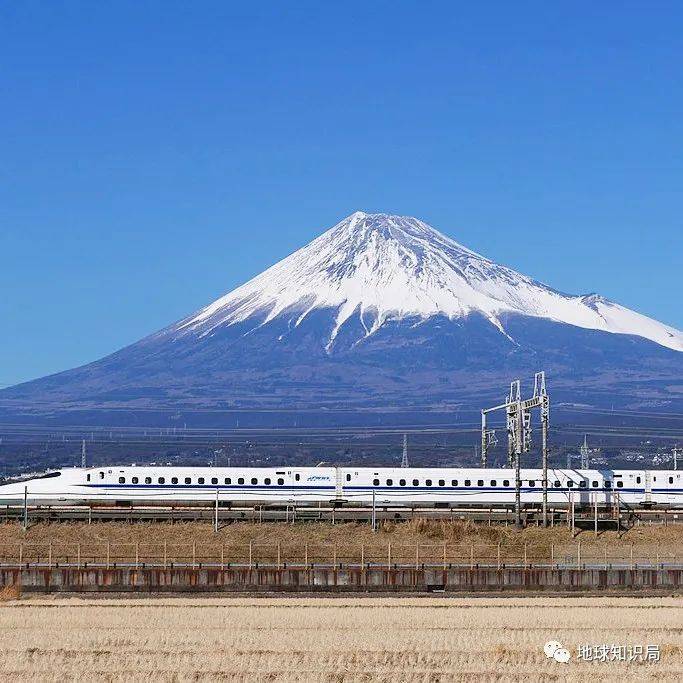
[154, 155]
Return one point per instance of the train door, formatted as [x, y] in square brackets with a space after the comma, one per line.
[674, 487]
[339, 484]
[647, 481]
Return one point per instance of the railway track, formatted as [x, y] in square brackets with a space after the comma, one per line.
[605, 518]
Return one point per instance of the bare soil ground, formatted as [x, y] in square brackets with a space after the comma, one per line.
[333, 640]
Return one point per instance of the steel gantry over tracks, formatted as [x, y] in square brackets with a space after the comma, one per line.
[518, 425]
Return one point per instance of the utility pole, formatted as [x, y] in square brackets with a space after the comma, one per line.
[215, 519]
[540, 391]
[83, 458]
[519, 445]
[404, 459]
[518, 423]
[585, 451]
[484, 433]
[25, 522]
[488, 439]
[510, 421]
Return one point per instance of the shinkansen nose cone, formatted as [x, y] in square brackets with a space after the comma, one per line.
[37, 490]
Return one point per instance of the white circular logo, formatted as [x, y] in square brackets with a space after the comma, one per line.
[555, 650]
[551, 647]
[562, 655]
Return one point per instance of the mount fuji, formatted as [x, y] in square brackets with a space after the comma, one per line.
[377, 268]
[380, 311]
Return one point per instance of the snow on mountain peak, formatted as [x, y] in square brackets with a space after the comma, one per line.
[379, 267]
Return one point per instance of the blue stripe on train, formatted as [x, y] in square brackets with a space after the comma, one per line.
[211, 487]
[383, 489]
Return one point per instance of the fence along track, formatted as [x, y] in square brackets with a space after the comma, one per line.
[310, 555]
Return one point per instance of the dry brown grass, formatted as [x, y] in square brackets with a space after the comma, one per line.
[322, 540]
[10, 593]
[333, 639]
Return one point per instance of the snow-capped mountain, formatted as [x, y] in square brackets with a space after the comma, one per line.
[380, 311]
[379, 267]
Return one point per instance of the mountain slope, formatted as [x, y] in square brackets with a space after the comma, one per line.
[381, 310]
[381, 267]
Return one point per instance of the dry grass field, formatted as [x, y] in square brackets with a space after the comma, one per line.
[347, 541]
[333, 639]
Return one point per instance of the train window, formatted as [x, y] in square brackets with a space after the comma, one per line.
[101, 475]
[493, 482]
[227, 481]
[390, 482]
[637, 480]
[454, 482]
[557, 484]
[428, 482]
[620, 484]
[122, 480]
[240, 480]
[266, 481]
[214, 480]
[532, 483]
[280, 482]
[87, 477]
[416, 482]
[148, 480]
[582, 484]
[254, 480]
[595, 484]
[162, 480]
[296, 477]
[348, 477]
[134, 480]
[200, 480]
[506, 482]
[188, 480]
[442, 482]
[375, 482]
[401, 482]
[480, 482]
[174, 480]
[468, 482]
[570, 483]
[671, 481]
[608, 484]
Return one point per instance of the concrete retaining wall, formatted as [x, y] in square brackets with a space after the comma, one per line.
[340, 580]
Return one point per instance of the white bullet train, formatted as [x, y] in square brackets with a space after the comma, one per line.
[383, 486]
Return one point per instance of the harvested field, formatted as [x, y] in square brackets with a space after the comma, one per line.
[336, 639]
[427, 540]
